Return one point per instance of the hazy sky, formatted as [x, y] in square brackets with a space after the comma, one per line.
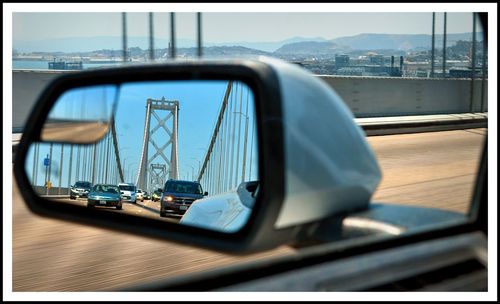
[234, 27]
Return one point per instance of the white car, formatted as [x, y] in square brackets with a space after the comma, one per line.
[128, 192]
[140, 195]
[224, 212]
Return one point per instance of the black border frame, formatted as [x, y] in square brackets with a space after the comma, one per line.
[257, 234]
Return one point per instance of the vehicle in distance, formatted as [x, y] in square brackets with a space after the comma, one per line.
[156, 195]
[146, 195]
[139, 195]
[105, 196]
[128, 192]
[178, 195]
[80, 189]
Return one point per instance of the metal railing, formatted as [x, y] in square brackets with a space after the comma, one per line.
[229, 157]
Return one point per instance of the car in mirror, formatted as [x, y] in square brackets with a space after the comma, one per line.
[79, 189]
[105, 195]
[244, 131]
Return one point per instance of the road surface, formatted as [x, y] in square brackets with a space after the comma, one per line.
[434, 169]
[146, 208]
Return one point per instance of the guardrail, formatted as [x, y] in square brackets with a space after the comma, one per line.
[397, 125]
[54, 191]
[402, 96]
[422, 123]
[365, 96]
[55, 196]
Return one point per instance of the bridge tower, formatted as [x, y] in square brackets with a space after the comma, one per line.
[157, 175]
[156, 144]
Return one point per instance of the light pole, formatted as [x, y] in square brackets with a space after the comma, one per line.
[122, 159]
[124, 167]
[244, 146]
[129, 174]
[205, 151]
[192, 171]
[199, 164]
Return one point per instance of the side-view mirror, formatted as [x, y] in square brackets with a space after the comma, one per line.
[273, 162]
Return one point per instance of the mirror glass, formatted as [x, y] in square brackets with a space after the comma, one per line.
[179, 151]
[80, 115]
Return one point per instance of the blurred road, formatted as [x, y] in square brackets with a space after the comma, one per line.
[146, 208]
[434, 169]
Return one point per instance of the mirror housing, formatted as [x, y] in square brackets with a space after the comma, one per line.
[274, 219]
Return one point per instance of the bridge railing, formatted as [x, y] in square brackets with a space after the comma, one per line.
[231, 156]
[54, 167]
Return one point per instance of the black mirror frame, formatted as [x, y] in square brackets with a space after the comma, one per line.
[257, 234]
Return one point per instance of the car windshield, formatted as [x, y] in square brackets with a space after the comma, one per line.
[188, 188]
[82, 184]
[106, 188]
[126, 188]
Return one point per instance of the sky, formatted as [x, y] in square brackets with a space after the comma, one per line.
[233, 26]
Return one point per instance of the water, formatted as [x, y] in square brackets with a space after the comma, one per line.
[44, 65]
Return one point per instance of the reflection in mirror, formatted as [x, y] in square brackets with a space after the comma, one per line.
[80, 115]
[176, 151]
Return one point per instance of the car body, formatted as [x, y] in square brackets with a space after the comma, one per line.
[178, 195]
[80, 189]
[139, 195]
[156, 195]
[104, 195]
[128, 192]
[146, 195]
[227, 211]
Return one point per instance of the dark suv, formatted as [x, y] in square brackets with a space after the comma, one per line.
[80, 189]
[178, 195]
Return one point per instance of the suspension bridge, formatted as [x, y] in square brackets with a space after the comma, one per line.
[227, 161]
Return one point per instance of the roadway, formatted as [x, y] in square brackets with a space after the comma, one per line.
[146, 208]
[435, 169]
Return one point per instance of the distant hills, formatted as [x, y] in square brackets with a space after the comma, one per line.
[295, 45]
[269, 46]
[399, 42]
[88, 44]
[311, 47]
[228, 51]
[366, 42]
